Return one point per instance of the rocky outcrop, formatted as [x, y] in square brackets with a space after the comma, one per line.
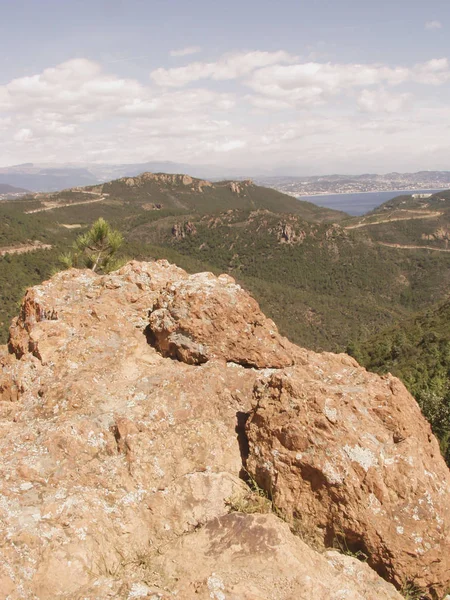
[239, 187]
[182, 230]
[203, 317]
[348, 457]
[287, 233]
[118, 463]
[442, 234]
[108, 449]
[167, 179]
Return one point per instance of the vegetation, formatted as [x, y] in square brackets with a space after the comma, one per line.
[417, 351]
[323, 287]
[96, 249]
[254, 500]
[327, 286]
[411, 591]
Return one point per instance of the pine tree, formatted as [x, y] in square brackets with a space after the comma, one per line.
[96, 249]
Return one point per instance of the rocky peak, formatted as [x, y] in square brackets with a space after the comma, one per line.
[131, 403]
[167, 179]
[239, 187]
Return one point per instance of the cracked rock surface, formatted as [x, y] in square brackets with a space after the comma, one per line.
[123, 440]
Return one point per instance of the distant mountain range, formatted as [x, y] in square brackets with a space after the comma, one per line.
[9, 190]
[53, 177]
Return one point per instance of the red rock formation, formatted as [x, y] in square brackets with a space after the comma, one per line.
[349, 457]
[203, 317]
[118, 463]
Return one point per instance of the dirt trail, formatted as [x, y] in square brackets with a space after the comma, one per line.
[415, 215]
[24, 248]
[414, 247]
[49, 205]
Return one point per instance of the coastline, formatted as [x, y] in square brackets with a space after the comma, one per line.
[415, 190]
[359, 203]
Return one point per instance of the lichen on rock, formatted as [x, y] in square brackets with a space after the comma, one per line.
[119, 463]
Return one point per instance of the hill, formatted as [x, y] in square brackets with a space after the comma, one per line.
[9, 189]
[409, 221]
[56, 218]
[324, 281]
[417, 350]
[183, 192]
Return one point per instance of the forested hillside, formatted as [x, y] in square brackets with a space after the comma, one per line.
[325, 278]
[417, 351]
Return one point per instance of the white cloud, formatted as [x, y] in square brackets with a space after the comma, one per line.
[77, 88]
[433, 72]
[186, 51]
[280, 111]
[304, 127]
[381, 101]
[311, 83]
[78, 92]
[5, 122]
[23, 135]
[177, 102]
[433, 25]
[230, 66]
[267, 104]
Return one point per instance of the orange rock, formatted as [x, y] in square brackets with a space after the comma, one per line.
[204, 317]
[348, 456]
[118, 463]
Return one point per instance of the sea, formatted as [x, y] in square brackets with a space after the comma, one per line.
[361, 203]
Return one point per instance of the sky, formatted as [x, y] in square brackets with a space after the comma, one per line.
[283, 87]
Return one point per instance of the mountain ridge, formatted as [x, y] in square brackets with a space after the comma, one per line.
[53, 176]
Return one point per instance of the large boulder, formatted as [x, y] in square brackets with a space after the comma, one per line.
[119, 465]
[203, 317]
[106, 446]
[349, 459]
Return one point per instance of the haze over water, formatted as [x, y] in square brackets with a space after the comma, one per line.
[360, 203]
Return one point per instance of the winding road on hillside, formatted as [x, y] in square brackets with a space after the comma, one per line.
[24, 248]
[414, 215]
[407, 247]
[52, 205]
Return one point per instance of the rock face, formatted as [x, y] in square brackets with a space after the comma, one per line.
[202, 317]
[181, 230]
[212, 562]
[288, 234]
[118, 463]
[239, 187]
[167, 179]
[349, 458]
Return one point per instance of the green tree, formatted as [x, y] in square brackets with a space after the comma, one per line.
[96, 249]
